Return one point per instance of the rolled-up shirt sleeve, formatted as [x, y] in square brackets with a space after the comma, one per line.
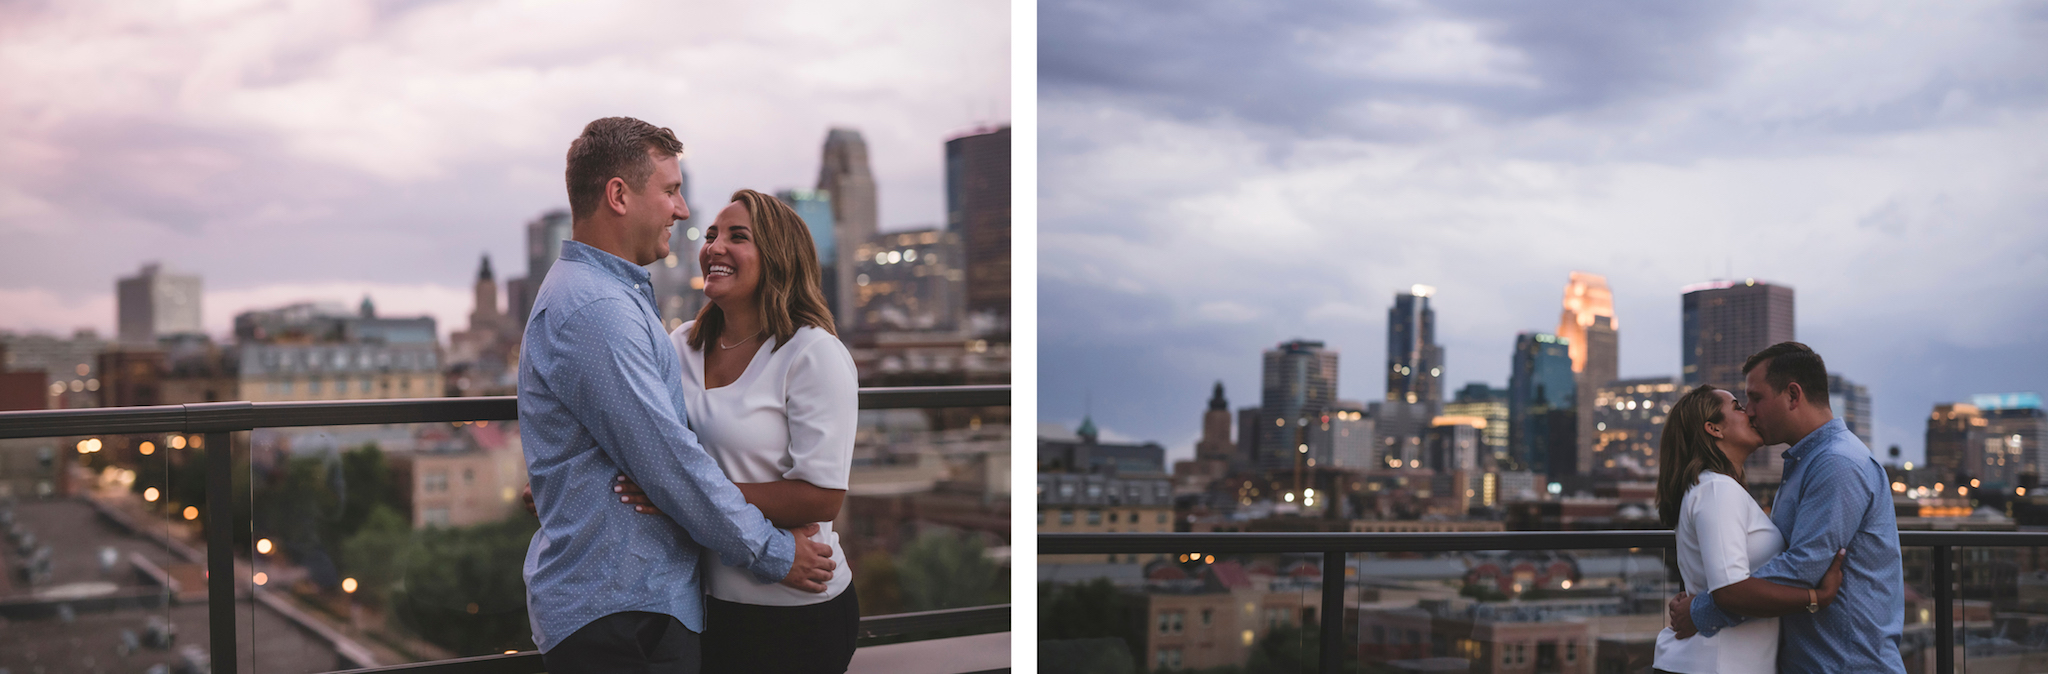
[823, 406]
[633, 416]
[1709, 619]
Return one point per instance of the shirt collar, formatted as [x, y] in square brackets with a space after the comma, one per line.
[617, 266]
[1806, 444]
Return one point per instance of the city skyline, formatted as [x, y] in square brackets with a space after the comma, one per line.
[302, 153]
[1490, 150]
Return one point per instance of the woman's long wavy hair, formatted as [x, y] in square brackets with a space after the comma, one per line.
[789, 296]
[1686, 449]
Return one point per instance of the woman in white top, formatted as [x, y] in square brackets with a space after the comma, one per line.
[773, 397]
[1722, 534]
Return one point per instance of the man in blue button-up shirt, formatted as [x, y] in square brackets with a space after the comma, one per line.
[608, 589]
[1834, 497]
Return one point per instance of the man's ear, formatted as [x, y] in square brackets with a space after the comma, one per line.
[1796, 394]
[615, 195]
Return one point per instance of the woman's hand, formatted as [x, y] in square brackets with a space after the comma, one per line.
[631, 494]
[1831, 582]
[1680, 617]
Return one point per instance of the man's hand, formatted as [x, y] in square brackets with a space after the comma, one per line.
[526, 498]
[631, 494]
[1681, 616]
[814, 565]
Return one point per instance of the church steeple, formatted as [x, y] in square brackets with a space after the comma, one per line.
[1216, 401]
[484, 315]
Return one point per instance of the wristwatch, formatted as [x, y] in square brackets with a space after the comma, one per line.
[1812, 601]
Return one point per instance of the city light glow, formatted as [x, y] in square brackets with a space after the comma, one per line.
[191, 513]
[150, 494]
[348, 585]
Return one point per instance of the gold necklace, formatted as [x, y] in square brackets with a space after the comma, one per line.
[757, 333]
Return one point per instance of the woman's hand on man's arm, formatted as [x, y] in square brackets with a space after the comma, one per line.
[787, 503]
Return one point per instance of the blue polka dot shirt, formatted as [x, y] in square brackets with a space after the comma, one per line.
[600, 392]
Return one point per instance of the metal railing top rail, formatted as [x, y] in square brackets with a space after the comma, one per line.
[242, 415]
[1347, 542]
[974, 620]
[1334, 545]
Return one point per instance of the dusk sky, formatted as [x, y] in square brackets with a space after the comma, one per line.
[1218, 177]
[321, 151]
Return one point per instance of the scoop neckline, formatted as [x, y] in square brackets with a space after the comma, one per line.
[767, 346]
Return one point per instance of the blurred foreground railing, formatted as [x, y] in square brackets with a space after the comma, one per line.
[1333, 547]
[218, 420]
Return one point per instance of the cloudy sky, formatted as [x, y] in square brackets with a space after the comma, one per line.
[1217, 177]
[291, 151]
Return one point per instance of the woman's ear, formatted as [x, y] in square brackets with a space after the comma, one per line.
[1713, 429]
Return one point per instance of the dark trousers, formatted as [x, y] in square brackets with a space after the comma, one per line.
[632, 642]
[798, 639]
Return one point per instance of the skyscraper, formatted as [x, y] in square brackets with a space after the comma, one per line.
[846, 177]
[1541, 397]
[1342, 437]
[908, 281]
[1724, 322]
[978, 207]
[2018, 421]
[815, 208]
[544, 236]
[1491, 404]
[1588, 326]
[1961, 446]
[1414, 360]
[1628, 425]
[1586, 296]
[1300, 380]
[1851, 402]
[155, 303]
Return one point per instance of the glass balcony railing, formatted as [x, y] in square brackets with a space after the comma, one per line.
[387, 535]
[1511, 602]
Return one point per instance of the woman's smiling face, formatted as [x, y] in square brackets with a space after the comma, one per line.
[731, 263]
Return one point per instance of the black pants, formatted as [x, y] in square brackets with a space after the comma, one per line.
[632, 642]
[797, 639]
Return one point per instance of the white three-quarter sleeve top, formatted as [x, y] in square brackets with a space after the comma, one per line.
[1722, 536]
[791, 415]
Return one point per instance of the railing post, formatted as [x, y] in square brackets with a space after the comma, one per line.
[1944, 613]
[1333, 613]
[220, 551]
